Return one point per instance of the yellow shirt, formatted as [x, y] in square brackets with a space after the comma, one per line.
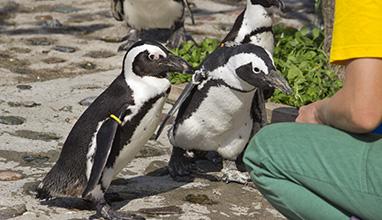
[357, 30]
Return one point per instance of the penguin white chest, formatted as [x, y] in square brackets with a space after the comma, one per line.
[221, 123]
[141, 135]
[144, 14]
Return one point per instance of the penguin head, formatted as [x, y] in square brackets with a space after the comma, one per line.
[152, 59]
[244, 67]
[267, 3]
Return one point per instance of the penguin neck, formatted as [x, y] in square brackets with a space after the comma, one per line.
[227, 73]
[145, 87]
[256, 22]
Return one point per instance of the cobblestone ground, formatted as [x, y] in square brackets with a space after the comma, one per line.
[54, 55]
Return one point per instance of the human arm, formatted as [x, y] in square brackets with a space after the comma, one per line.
[357, 107]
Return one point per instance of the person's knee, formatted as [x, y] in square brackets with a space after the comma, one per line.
[263, 142]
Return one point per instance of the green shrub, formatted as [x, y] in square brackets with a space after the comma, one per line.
[298, 55]
[194, 54]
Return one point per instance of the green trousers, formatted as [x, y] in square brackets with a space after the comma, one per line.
[311, 171]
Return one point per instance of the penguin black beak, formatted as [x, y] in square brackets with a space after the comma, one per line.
[177, 64]
[277, 81]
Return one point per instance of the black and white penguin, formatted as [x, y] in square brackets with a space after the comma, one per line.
[127, 112]
[161, 20]
[252, 27]
[216, 115]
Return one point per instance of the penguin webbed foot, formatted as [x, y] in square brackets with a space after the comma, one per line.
[179, 166]
[105, 211]
[231, 174]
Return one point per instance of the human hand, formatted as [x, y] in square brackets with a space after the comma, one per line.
[309, 113]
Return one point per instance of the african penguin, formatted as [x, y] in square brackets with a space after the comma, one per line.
[127, 112]
[217, 113]
[253, 26]
[161, 20]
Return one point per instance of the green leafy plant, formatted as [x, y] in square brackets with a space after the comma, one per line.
[194, 54]
[298, 55]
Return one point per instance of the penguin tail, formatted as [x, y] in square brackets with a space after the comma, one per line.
[59, 183]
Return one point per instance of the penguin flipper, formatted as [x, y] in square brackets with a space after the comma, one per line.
[185, 94]
[258, 111]
[104, 140]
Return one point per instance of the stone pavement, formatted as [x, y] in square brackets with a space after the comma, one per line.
[56, 54]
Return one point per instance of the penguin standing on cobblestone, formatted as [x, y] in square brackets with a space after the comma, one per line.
[217, 113]
[252, 27]
[114, 128]
[161, 20]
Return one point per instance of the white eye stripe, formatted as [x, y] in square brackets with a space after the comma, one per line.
[154, 56]
[227, 71]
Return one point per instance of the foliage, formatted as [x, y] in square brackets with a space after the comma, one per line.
[194, 54]
[298, 55]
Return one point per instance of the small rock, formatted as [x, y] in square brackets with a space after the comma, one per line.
[34, 135]
[43, 17]
[53, 60]
[51, 24]
[66, 9]
[100, 54]
[39, 41]
[20, 50]
[11, 212]
[156, 168]
[149, 151]
[87, 101]
[12, 120]
[21, 70]
[30, 188]
[26, 104]
[8, 175]
[64, 49]
[66, 108]
[24, 87]
[112, 39]
[199, 199]
[87, 65]
[168, 210]
[35, 158]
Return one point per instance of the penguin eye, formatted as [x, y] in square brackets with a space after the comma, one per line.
[153, 57]
[256, 70]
